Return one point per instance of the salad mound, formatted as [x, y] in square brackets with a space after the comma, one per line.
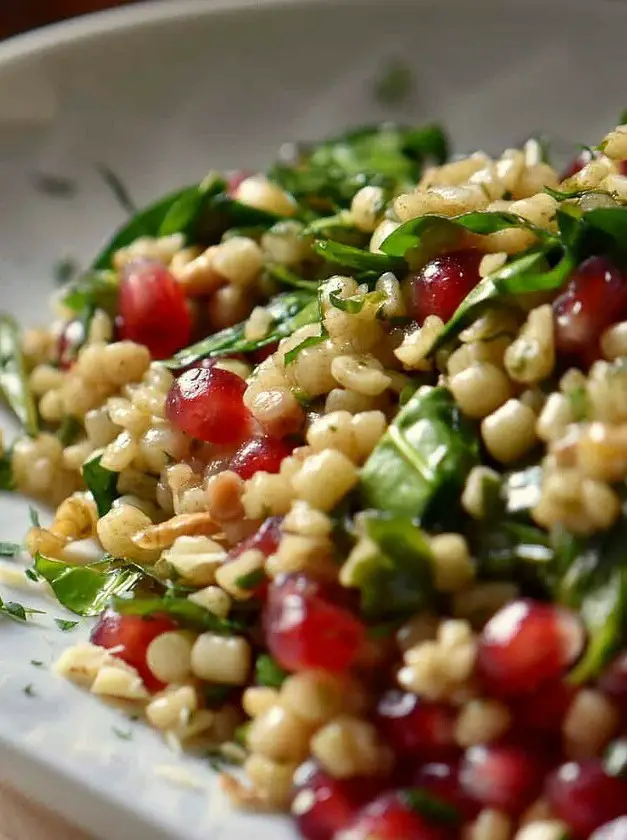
[351, 437]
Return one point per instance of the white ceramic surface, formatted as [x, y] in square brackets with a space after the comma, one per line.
[162, 93]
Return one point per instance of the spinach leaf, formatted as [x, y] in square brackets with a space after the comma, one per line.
[591, 577]
[288, 278]
[422, 460]
[86, 590]
[182, 610]
[512, 551]
[434, 810]
[17, 612]
[357, 259]
[268, 672]
[396, 579]
[310, 341]
[93, 290]
[528, 273]
[64, 625]
[102, 482]
[289, 310]
[14, 378]
[432, 233]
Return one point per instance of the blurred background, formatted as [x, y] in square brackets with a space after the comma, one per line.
[19, 15]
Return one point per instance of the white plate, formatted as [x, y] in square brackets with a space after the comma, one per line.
[162, 93]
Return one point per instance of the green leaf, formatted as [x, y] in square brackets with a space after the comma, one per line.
[64, 625]
[268, 672]
[356, 259]
[288, 278]
[14, 378]
[122, 734]
[310, 341]
[431, 807]
[87, 590]
[34, 517]
[328, 227]
[423, 459]
[593, 580]
[432, 234]
[93, 290]
[10, 549]
[64, 270]
[102, 483]
[251, 580]
[69, 430]
[118, 188]
[29, 691]
[289, 310]
[17, 612]
[396, 578]
[182, 610]
[528, 273]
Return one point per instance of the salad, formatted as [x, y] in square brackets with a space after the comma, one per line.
[351, 437]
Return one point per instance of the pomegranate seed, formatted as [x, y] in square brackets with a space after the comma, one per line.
[527, 643]
[414, 726]
[234, 179]
[306, 629]
[585, 797]
[208, 404]
[153, 309]
[322, 805]
[504, 776]
[130, 635]
[69, 343]
[594, 298]
[545, 709]
[442, 779]
[614, 680]
[390, 818]
[442, 284]
[259, 356]
[261, 454]
[615, 830]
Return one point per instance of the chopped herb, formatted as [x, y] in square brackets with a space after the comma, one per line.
[431, 807]
[117, 187]
[55, 186]
[64, 270]
[69, 430]
[29, 691]
[241, 734]
[268, 672]
[31, 574]
[102, 482]
[310, 341]
[9, 549]
[17, 612]
[37, 663]
[251, 580]
[578, 399]
[394, 83]
[14, 385]
[181, 609]
[34, 517]
[65, 625]
[123, 735]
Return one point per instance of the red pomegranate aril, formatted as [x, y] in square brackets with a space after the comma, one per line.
[305, 629]
[577, 164]
[416, 727]
[260, 454]
[322, 805]
[153, 310]
[70, 341]
[259, 356]
[615, 830]
[442, 284]
[585, 796]
[594, 298]
[614, 681]
[130, 636]
[526, 644]
[208, 404]
[504, 776]
[544, 709]
[442, 779]
[390, 817]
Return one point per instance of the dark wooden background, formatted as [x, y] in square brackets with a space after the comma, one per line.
[21, 15]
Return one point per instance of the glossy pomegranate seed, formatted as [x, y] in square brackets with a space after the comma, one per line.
[322, 805]
[261, 454]
[442, 779]
[207, 403]
[615, 830]
[594, 298]
[442, 284]
[306, 629]
[70, 341]
[390, 817]
[544, 709]
[153, 310]
[130, 636]
[415, 727]
[526, 644]
[504, 776]
[585, 797]
[614, 680]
